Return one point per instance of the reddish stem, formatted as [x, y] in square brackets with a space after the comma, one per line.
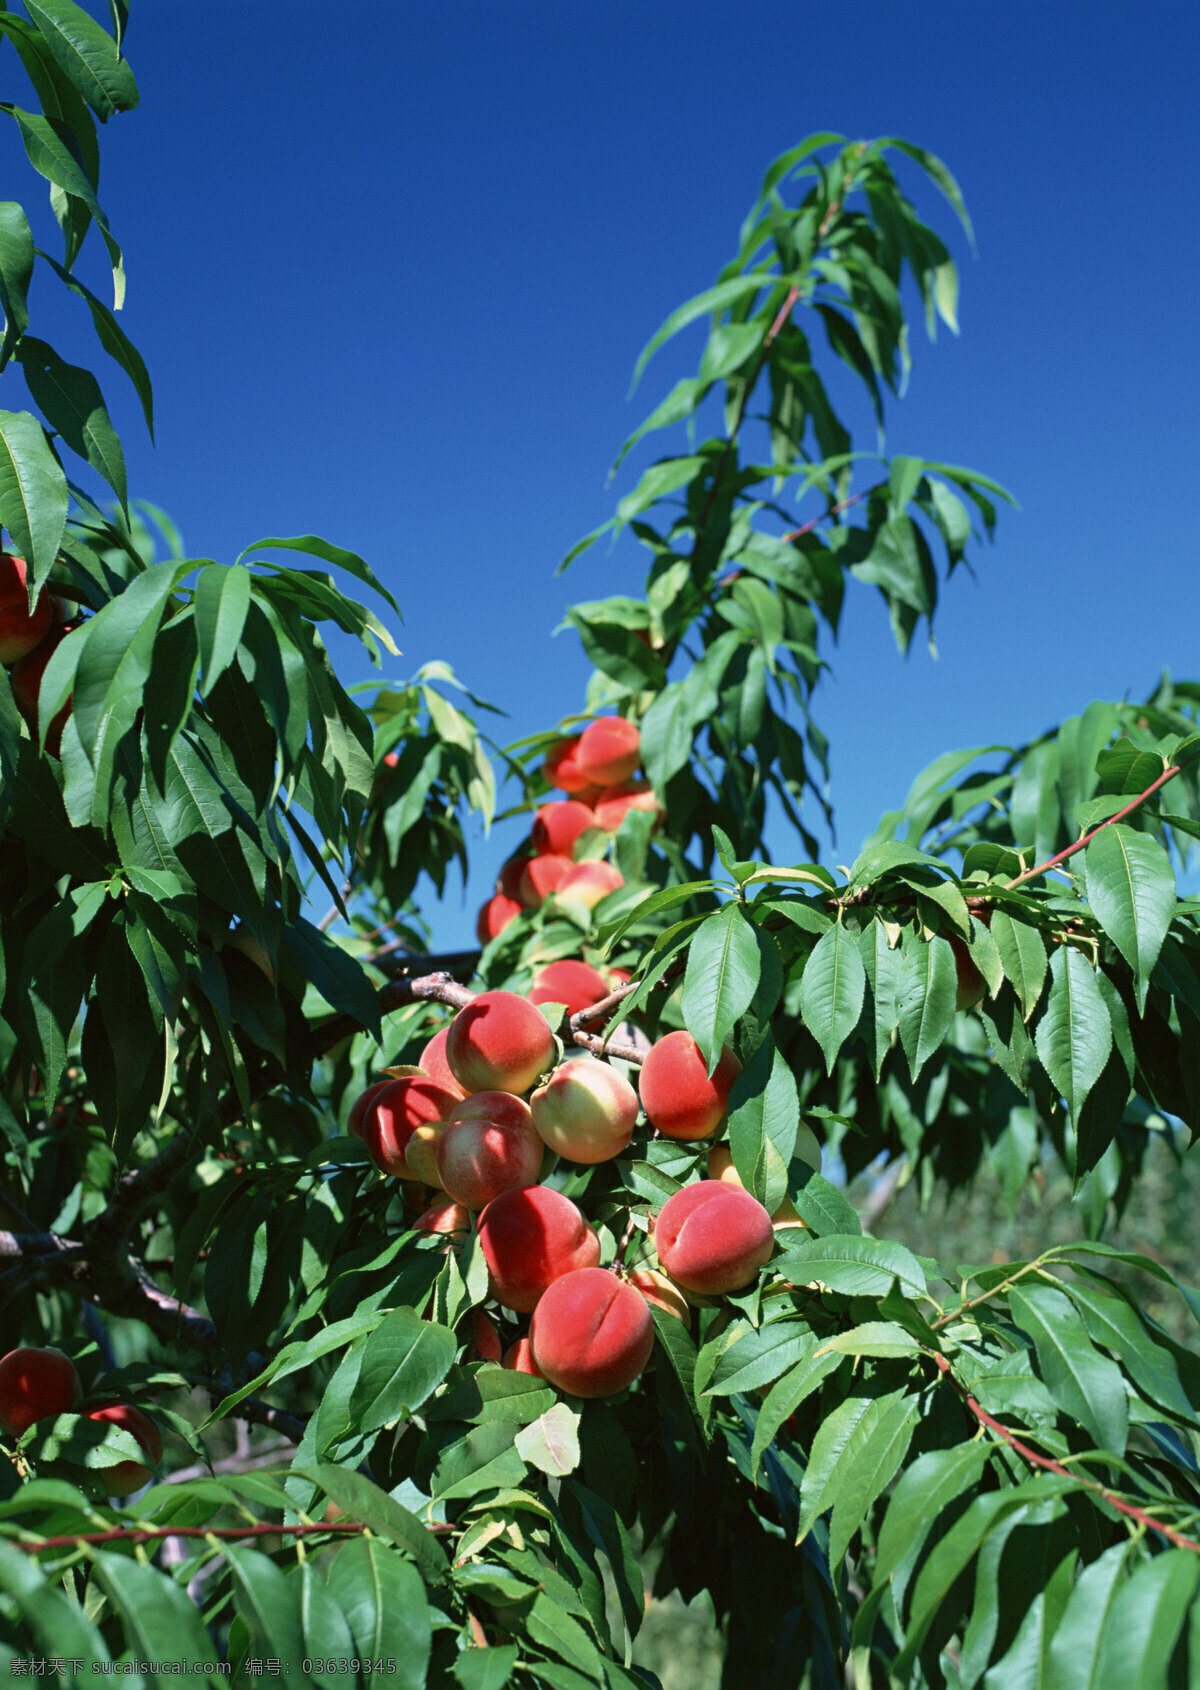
[1061, 856]
[150, 1534]
[833, 510]
[1049, 1465]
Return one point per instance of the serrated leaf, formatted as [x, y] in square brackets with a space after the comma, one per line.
[161, 1622]
[383, 1598]
[1085, 1384]
[70, 399]
[87, 56]
[1023, 956]
[16, 272]
[785, 1397]
[926, 995]
[871, 1458]
[764, 1114]
[1131, 889]
[1074, 1035]
[853, 1265]
[831, 992]
[551, 1442]
[403, 1362]
[719, 983]
[884, 967]
[758, 1358]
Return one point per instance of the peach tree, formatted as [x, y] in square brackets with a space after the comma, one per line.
[452, 1304]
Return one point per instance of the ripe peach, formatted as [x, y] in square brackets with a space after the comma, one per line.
[494, 917]
[576, 984]
[128, 1476]
[615, 804]
[500, 1106]
[712, 1237]
[519, 1358]
[483, 1341]
[34, 1385]
[529, 1237]
[391, 1117]
[477, 1160]
[541, 876]
[360, 1106]
[720, 1166]
[591, 1334]
[20, 630]
[443, 1216]
[509, 878]
[590, 881]
[679, 1098]
[433, 1060]
[609, 751]
[499, 1042]
[420, 1153]
[561, 768]
[586, 1110]
[26, 680]
[658, 1290]
[556, 827]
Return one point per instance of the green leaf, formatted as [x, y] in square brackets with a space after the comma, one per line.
[819, 1203]
[222, 599]
[932, 1482]
[764, 1113]
[871, 1457]
[666, 731]
[115, 658]
[1131, 888]
[1074, 1034]
[719, 983]
[656, 483]
[758, 1358]
[355, 1494]
[115, 342]
[87, 56]
[72, 403]
[57, 1625]
[885, 970]
[728, 347]
[486, 1669]
[1144, 1621]
[1085, 1384]
[926, 997]
[383, 1598]
[269, 1606]
[404, 1361]
[16, 272]
[338, 977]
[161, 1622]
[853, 1265]
[1112, 1322]
[33, 492]
[551, 1442]
[712, 300]
[314, 546]
[327, 1635]
[831, 992]
[872, 1338]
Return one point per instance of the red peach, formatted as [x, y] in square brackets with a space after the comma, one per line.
[556, 827]
[720, 1166]
[494, 917]
[483, 1341]
[680, 1099]
[659, 1291]
[26, 680]
[127, 1476]
[529, 1237]
[433, 1061]
[615, 804]
[576, 984]
[519, 1358]
[35, 1385]
[588, 882]
[361, 1104]
[20, 631]
[391, 1117]
[585, 1111]
[541, 876]
[443, 1216]
[509, 879]
[477, 1160]
[591, 1334]
[609, 751]
[500, 1106]
[712, 1237]
[499, 1042]
[420, 1153]
[561, 768]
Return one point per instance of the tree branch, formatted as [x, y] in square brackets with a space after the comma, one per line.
[1061, 856]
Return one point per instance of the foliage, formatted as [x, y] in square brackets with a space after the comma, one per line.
[879, 1467]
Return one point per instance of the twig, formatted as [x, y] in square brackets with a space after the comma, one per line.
[1049, 1465]
[1061, 856]
[844, 504]
[154, 1534]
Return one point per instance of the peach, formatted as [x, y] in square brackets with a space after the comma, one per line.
[26, 680]
[20, 629]
[128, 1476]
[659, 1291]
[500, 1106]
[360, 1106]
[590, 881]
[530, 1236]
[494, 917]
[519, 1358]
[35, 1385]
[509, 879]
[712, 1237]
[679, 1098]
[541, 876]
[615, 804]
[720, 1166]
[556, 827]
[398, 1109]
[483, 1341]
[609, 751]
[499, 1042]
[576, 984]
[561, 768]
[443, 1216]
[585, 1111]
[477, 1160]
[420, 1153]
[433, 1061]
[591, 1333]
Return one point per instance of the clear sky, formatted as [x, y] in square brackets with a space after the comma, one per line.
[391, 262]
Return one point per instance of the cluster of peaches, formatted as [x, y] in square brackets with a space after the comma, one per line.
[28, 639]
[484, 1115]
[596, 769]
[40, 1384]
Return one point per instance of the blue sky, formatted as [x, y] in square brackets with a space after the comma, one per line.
[391, 264]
